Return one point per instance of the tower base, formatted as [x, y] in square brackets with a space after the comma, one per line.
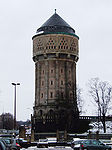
[43, 129]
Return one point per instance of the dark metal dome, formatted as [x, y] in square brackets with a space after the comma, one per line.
[56, 24]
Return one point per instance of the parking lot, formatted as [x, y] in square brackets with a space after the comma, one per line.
[50, 148]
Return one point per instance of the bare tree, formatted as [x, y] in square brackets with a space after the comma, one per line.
[101, 92]
[7, 121]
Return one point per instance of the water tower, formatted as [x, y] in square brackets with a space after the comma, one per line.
[55, 53]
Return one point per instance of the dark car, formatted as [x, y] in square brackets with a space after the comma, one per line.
[23, 143]
[15, 145]
[93, 145]
[6, 135]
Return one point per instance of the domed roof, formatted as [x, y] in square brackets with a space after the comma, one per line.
[56, 24]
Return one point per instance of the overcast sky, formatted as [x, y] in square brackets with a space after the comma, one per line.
[19, 20]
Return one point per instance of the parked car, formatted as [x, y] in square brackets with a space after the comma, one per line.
[15, 145]
[92, 144]
[75, 144]
[23, 143]
[107, 142]
[43, 143]
[6, 135]
[11, 143]
[2, 146]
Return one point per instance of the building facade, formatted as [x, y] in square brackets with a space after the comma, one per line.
[55, 53]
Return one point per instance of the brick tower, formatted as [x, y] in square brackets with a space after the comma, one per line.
[55, 53]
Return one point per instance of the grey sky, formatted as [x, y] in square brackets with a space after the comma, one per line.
[19, 19]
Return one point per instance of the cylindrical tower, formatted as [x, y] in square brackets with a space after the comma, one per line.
[55, 53]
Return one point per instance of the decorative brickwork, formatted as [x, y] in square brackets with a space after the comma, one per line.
[54, 43]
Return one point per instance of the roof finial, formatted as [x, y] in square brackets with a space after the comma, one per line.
[55, 11]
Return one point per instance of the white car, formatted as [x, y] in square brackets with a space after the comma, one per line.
[43, 143]
[76, 143]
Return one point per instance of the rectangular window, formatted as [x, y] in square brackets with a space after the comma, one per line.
[61, 70]
[71, 95]
[43, 71]
[42, 83]
[51, 82]
[62, 95]
[51, 94]
[61, 82]
[51, 70]
[42, 95]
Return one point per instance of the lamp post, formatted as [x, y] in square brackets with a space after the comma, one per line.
[14, 123]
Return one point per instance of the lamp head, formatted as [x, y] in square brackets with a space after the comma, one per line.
[15, 84]
[18, 83]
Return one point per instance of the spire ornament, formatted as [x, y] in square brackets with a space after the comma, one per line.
[55, 11]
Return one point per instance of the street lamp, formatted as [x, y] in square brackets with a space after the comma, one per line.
[14, 124]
